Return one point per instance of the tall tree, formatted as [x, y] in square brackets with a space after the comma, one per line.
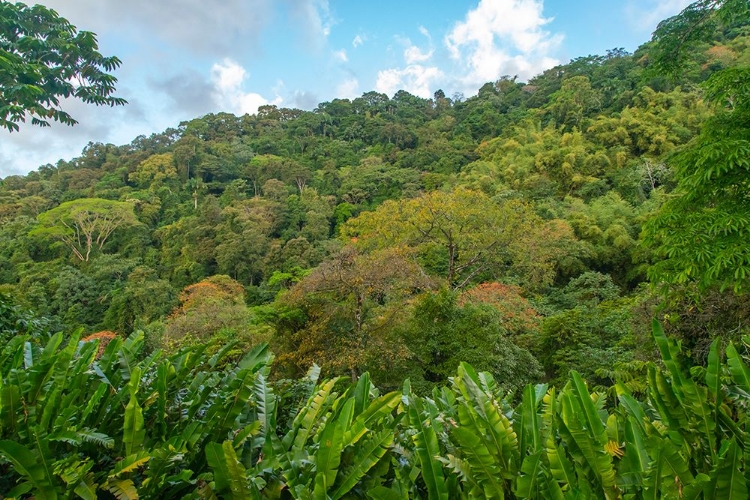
[85, 225]
[462, 235]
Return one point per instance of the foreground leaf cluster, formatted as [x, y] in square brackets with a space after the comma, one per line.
[76, 425]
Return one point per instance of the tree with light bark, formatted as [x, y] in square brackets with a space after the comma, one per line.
[86, 224]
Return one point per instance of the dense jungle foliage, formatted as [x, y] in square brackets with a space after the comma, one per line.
[472, 247]
[80, 420]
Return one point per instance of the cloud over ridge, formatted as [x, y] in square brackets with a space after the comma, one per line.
[502, 37]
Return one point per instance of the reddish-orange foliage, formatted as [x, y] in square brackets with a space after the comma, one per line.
[519, 316]
[720, 54]
[104, 338]
[216, 288]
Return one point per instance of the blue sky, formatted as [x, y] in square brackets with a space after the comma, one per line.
[185, 58]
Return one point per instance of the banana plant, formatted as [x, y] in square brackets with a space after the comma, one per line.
[73, 425]
[77, 425]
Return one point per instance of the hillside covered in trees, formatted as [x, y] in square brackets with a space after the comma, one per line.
[339, 234]
[531, 231]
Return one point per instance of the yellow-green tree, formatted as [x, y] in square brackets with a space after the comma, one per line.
[463, 235]
[86, 224]
[155, 171]
[212, 309]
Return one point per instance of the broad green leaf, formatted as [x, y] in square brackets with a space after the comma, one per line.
[129, 464]
[727, 478]
[737, 368]
[527, 484]
[589, 415]
[238, 482]
[25, 463]
[368, 453]
[265, 405]
[133, 432]
[122, 489]
[428, 451]
[485, 471]
[686, 391]
[330, 445]
[529, 433]
[309, 416]
[86, 488]
[218, 465]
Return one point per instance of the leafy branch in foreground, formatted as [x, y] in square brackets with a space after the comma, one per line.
[45, 59]
[699, 234]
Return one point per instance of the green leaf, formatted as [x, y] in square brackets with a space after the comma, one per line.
[727, 478]
[737, 368]
[383, 493]
[86, 488]
[265, 404]
[122, 489]
[229, 474]
[687, 392]
[309, 416]
[129, 464]
[133, 431]
[527, 484]
[226, 409]
[128, 354]
[482, 416]
[590, 415]
[362, 393]
[428, 451]
[584, 445]
[528, 432]
[377, 410]
[218, 465]
[484, 468]
[238, 482]
[367, 455]
[713, 372]
[25, 463]
[330, 445]
[668, 472]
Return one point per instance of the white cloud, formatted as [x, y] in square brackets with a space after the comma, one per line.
[348, 89]
[644, 15]
[502, 37]
[358, 40]
[415, 79]
[341, 55]
[414, 54]
[227, 78]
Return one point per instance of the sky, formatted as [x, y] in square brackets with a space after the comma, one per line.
[182, 59]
